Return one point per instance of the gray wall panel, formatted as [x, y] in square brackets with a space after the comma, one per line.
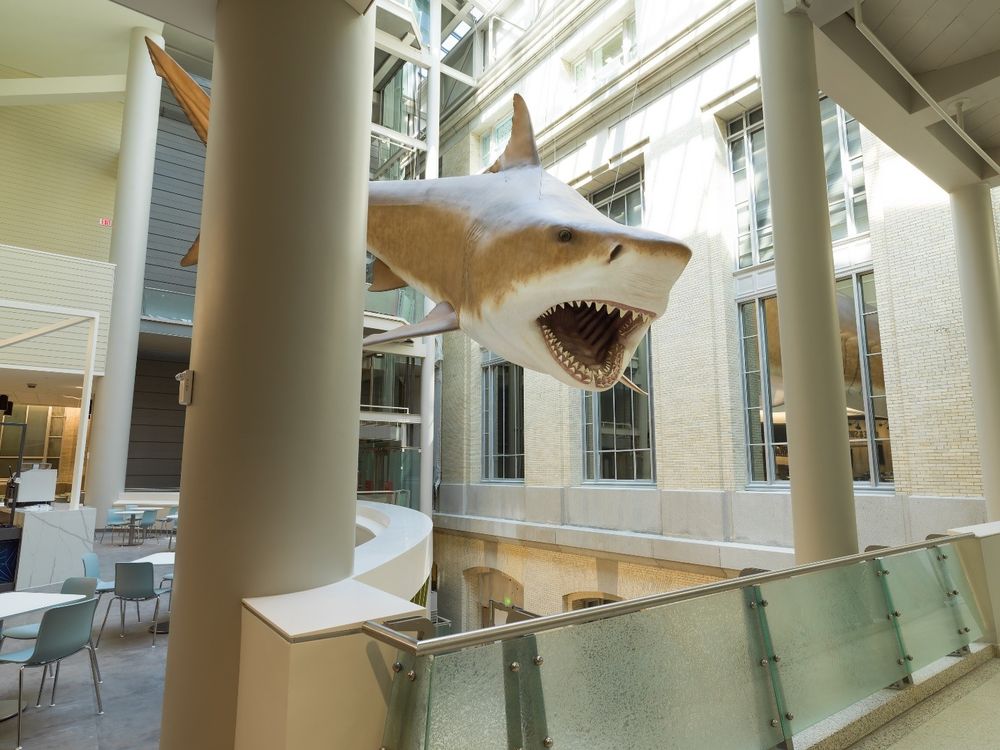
[157, 434]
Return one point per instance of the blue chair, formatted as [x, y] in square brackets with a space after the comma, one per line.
[133, 583]
[147, 522]
[84, 586]
[92, 569]
[114, 521]
[64, 631]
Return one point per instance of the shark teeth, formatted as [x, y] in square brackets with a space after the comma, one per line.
[586, 337]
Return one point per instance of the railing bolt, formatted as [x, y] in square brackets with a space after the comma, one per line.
[515, 667]
[776, 658]
[895, 613]
[909, 658]
[774, 723]
[899, 662]
[960, 631]
[886, 572]
[411, 676]
[965, 629]
[944, 557]
[538, 661]
[954, 592]
[789, 716]
[763, 602]
[397, 667]
[753, 605]
[763, 662]
[548, 742]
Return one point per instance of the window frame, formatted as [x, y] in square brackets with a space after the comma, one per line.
[874, 482]
[744, 134]
[586, 60]
[491, 365]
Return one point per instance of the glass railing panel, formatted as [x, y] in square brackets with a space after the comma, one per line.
[834, 641]
[174, 307]
[678, 675]
[933, 598]
[467, 706]
[409, 704]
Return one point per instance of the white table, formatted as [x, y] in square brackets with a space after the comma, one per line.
[21, 603]
[158, 558]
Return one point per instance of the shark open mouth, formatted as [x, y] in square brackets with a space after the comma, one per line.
[589, 338]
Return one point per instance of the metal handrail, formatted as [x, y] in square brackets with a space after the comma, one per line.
[448, 643]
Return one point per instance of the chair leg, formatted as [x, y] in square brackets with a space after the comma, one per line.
[93, 648]
[45, 673]
[105, 621]
[55, 682]
[20, 703]
[156, 617]
[121, 611]
[95, 672]
[138, 617]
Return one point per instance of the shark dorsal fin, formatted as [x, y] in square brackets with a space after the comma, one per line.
[521, 150]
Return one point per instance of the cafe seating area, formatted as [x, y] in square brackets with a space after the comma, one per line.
[131, 669]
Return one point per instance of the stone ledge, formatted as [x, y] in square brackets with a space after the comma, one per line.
[701, 552]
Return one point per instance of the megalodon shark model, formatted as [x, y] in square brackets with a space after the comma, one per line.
[518, 260]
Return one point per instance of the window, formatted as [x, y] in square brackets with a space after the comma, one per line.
[845, 180]
[503, 419]
[617, 426]
[622, 200]
[42, 441]
[617, 441]
[494, 140]
[609, 57]
[864, 385]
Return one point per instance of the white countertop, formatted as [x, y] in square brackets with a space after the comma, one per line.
[158, 558]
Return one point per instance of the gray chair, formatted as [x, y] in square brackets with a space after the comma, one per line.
[147, 524]
[133, 583]
[114, 521]
[63, 631]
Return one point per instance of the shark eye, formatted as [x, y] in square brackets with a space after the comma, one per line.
[565, 235]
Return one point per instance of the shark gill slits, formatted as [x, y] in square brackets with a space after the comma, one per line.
[617, 251]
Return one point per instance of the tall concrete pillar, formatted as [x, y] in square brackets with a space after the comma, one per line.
[427, 411]
[812, 369]
[112, 418]
[271, 436]
[979, 281]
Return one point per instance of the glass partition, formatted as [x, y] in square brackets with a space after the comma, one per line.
[742, 665]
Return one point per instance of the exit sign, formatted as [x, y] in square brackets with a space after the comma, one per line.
[104, 221]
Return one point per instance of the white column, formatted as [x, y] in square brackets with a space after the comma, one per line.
[427, 426]
[81, 434]
[271, 436]
[812, 369]
[113, 401]
[979, 281]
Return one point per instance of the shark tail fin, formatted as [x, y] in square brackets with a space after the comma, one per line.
[384, 279]
[441, 319]
[521, 150]
[193, 100]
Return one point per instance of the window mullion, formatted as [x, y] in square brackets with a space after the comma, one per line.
[866, 385]
[765, 391]
[846, 168]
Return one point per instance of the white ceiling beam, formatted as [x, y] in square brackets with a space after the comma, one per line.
[61, 90]
[391, 135]
[458, 75]
[959, 79]
[388, 43]
[821, 12]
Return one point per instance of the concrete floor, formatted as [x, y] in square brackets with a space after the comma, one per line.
[132, 689]
[963, 715]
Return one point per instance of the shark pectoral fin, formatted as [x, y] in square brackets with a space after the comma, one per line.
[521, 149]
[625, 381]
[384, 279]
[191, 257]
[441, 319]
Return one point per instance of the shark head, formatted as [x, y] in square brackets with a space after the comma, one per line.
[558, 287]
[534, 272]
